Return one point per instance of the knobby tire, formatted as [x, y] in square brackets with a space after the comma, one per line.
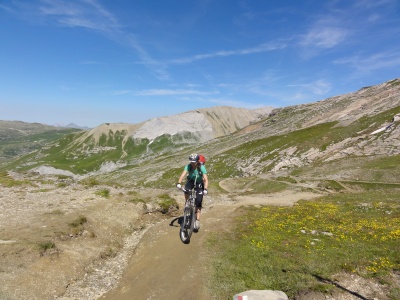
[187, 225]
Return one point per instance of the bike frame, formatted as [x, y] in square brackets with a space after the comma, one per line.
[189, 216]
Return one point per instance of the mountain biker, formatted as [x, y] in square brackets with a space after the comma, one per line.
[195, 170]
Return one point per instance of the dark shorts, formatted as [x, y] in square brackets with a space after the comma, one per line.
[199, 191]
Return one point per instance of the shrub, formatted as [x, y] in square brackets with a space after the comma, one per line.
[166, 203]
[103, 193]
[46, 246]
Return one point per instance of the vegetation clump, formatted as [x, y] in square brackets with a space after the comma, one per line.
[46, 246]
[8, 181]
[167, 203]
[77, 225]
[103, 193]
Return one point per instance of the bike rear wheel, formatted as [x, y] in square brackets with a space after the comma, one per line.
[187, 224]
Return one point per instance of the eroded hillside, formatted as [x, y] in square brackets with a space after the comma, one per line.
[237, 142]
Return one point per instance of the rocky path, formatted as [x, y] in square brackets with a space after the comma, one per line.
[163, 267]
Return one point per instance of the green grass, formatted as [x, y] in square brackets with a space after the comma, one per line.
[287, 179]
[90, 182]
[287, 248]
[255, 185]
[394, 82]
[371, 186]
[41, 191]
[137, 200]
[46, 246]
[267, 186]
[166, 202]
[103, 193]
[331, 185]
[8, 181]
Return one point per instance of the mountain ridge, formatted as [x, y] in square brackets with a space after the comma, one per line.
[200, 120]
[257, 141]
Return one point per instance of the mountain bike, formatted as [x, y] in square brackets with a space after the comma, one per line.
[189, 217]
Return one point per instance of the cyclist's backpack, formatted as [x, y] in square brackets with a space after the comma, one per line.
[202, 159]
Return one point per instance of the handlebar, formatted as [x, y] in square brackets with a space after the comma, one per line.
[185, 191]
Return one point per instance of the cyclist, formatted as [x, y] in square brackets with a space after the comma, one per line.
[195, 170]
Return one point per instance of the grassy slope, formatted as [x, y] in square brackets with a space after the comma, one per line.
[87, 156]
[26, 137]
[291, 249]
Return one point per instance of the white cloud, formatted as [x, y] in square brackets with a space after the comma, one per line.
[324, 37]
[87, 13]
[265, 47]
[372, 62]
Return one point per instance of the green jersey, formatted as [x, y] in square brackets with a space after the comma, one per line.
[199, 171]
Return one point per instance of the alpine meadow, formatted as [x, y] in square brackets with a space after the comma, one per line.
[303, 199]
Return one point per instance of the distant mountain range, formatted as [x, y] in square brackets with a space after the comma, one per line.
[73, 125]
[359, 126]
[18, 138]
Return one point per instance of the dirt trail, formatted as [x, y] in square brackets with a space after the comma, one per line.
[162, 267]
[165, 268]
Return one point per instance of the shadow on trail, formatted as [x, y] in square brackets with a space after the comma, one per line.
[325, 280]
[179, 220]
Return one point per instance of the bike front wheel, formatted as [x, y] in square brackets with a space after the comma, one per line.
[187, 224]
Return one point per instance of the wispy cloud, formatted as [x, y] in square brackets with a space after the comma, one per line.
[6, 8]
[319, 87]
[372, 62]
[90, 15]
[278, 95]
[265, 47]
[163, 92]
[326, 32]
[86, 13]
[372, 4]
[324, 37]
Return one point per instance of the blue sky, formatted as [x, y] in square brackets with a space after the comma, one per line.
[97, 61]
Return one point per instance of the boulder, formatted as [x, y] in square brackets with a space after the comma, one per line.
[261, 295]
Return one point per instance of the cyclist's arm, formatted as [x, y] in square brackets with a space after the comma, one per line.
[183, 175]
[205, 179]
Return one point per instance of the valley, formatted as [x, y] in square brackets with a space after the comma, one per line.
[93, 214]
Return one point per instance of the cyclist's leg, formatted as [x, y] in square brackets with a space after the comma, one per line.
[199, 200]
[198, 213]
